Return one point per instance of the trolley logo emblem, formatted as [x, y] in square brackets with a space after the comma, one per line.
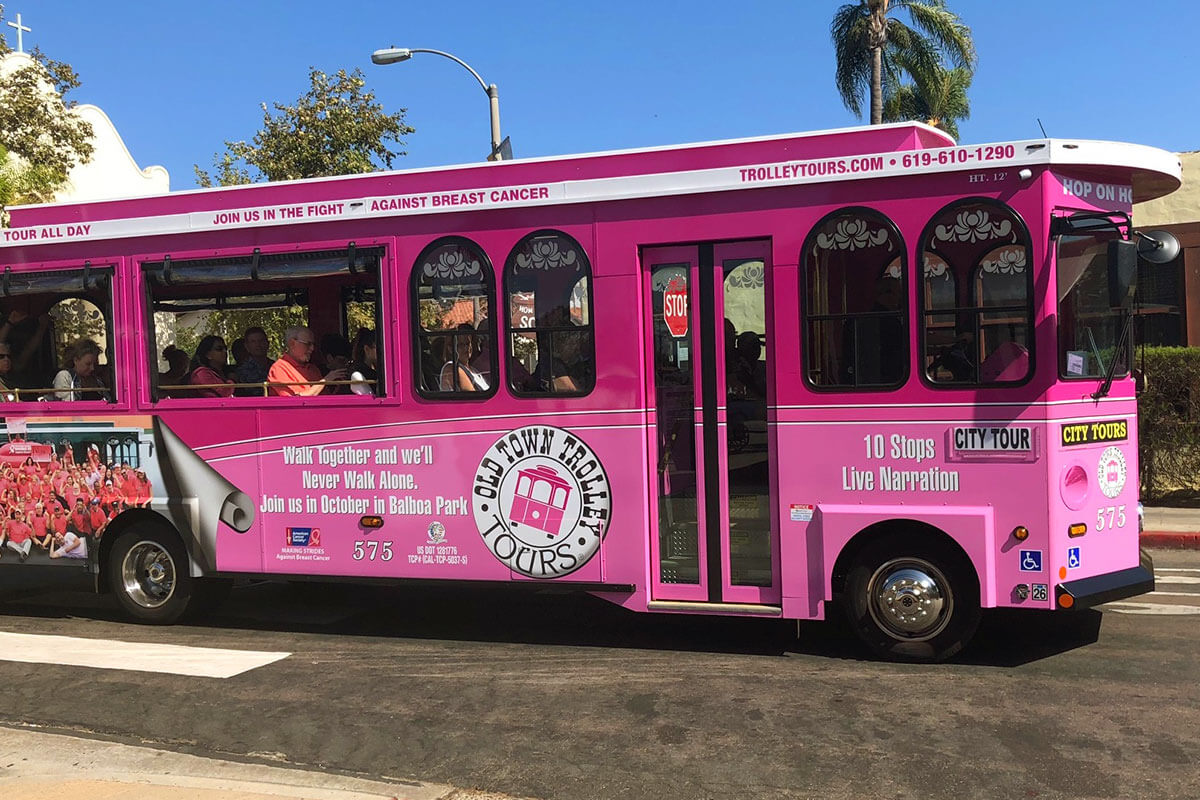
[541, 501]
[1111, 472]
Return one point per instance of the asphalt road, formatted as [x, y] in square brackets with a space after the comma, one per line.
[563, 696]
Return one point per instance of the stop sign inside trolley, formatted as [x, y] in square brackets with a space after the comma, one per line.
[675, 307]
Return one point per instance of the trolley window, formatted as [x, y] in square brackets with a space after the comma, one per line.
[548, 283]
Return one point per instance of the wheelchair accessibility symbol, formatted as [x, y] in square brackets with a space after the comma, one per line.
[1031, 560]
[1073, 560]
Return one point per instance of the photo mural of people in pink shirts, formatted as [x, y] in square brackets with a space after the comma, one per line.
[57, 497]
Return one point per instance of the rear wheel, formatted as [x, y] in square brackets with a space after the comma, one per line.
[148, 572]
[912, 601]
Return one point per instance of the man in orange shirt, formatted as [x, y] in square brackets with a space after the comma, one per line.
[293, 374]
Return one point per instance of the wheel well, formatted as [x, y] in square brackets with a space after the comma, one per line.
[908, 529]
[122, 524]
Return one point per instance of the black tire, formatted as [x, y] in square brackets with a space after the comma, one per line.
[148, 572]
[913, 600]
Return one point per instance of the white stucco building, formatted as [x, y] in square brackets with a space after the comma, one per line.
[112, 171]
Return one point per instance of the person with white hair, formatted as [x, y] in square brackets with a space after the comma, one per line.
[293, 374]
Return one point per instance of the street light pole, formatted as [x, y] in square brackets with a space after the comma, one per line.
[394, 55]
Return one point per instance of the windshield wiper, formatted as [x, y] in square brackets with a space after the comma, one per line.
[1112, 366]
[1095, 349]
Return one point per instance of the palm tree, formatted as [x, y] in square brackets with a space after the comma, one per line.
[873, 49]
[937, 98]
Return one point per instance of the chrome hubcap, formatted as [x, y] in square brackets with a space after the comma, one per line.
[910, 599]
[148, 574]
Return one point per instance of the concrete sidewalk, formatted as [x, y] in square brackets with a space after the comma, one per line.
[46, 766]
[1177, 528]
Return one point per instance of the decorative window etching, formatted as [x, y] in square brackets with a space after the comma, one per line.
[547, 253]
[853, 233]
[452, 262]
[894, 270]
[749, 275]
[1004, 260]
[936, 267]
[974, 225]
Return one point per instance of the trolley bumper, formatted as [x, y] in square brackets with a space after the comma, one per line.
[1088, 592]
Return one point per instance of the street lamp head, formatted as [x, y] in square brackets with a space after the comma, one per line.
[391, 55]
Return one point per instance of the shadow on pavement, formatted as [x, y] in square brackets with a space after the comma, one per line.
[464, 612]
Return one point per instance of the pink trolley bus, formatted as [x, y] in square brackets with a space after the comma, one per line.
[752, 377]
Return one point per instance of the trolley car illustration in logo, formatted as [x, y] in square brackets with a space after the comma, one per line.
[541, 501]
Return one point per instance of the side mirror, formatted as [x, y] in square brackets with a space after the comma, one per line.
[1157, 247]
[1122, 272]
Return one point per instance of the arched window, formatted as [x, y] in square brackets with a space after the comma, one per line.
[977, 302]
[548, 282]
[454, 328]
[856, 309]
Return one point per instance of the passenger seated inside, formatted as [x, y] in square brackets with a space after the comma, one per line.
[257, 363]
[24, 339]
[170, 383]
[956, 359]
[364, 362]
[78, 379]
[457, 374]
[335, 354]
[293, 374]
[8, 393]
[208, 369]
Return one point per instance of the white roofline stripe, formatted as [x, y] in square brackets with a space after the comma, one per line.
[667, 148]
[1034, 152]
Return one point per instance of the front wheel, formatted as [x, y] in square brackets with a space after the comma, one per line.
[911, 601]
[148, 572]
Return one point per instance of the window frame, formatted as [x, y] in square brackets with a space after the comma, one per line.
[904, 312]
[1021, 230]
[509, 330]
[377, 247]
[417, 332]
[118, 389]
[1118, 317]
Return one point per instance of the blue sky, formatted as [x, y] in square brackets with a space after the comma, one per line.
[178, 79]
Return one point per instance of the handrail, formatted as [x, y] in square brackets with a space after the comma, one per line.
[51, 391]
[265, 385]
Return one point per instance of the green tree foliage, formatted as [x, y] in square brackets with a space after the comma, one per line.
[334, 129]
[937, 97]
[230, 324]
[21, 182]
[875, 50]
[1169, 423]
[39, 127]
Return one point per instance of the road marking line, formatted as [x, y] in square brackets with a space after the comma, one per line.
[1176, 569]
[1174, 594]
[173, 659]
[1164, 609]
[1177, 579]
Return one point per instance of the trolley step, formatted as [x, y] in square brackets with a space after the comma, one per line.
[715, 608]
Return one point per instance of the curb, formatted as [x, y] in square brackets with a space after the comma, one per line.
[1172, 540]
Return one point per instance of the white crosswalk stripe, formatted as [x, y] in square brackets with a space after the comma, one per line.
[1170, 579]
[206, 662]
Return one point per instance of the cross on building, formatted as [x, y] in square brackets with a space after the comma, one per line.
[20, 29]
